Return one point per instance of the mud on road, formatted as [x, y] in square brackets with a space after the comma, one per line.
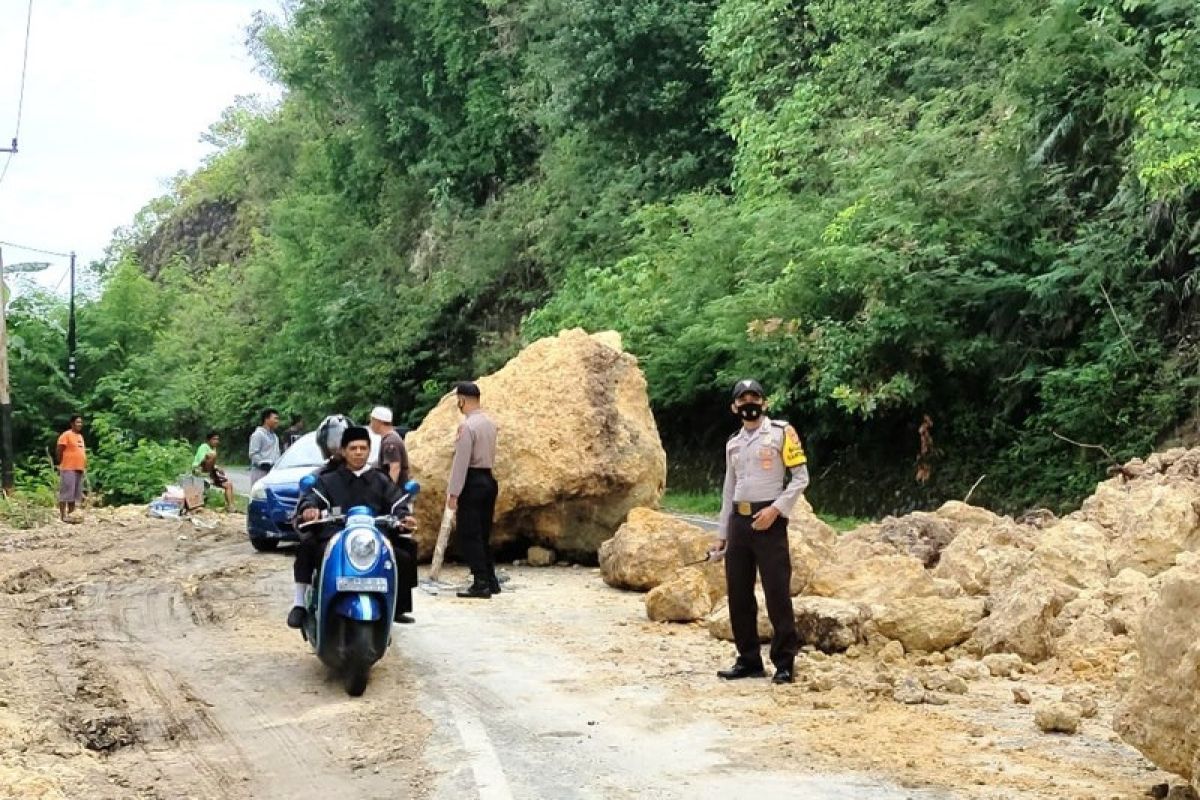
[148, 659]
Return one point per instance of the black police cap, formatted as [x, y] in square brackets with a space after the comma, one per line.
[741, 387]
[355, 433]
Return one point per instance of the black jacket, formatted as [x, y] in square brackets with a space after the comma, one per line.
[345, 490]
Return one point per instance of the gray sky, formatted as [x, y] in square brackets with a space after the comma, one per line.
[117, 94]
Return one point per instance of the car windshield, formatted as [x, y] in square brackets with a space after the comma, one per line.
[304, 453]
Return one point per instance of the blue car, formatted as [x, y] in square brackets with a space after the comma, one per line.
[273, 498]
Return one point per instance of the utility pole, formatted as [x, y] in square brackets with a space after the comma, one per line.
[71, 326]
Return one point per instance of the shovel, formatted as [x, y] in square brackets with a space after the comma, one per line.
[430, 584]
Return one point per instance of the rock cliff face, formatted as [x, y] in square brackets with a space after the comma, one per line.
[578, 447]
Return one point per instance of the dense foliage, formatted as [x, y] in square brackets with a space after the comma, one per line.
[979, 215]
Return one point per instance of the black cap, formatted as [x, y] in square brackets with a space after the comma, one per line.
[747, 385]
[466, 389]
[355, 433]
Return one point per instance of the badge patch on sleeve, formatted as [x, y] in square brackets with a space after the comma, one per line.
[793, 451]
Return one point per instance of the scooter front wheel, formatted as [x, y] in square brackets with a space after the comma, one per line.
[359, 649]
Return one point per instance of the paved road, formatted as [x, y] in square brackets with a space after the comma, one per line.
[240, 478]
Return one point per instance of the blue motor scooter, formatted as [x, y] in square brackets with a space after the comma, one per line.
[353, 599]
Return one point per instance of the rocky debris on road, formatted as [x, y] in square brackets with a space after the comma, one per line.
[829, 625]
[540, 557]
[571, 463]
[1056, 717]
[1021, 696]
[650, 548]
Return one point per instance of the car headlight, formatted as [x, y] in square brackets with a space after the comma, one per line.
[362, 548]
[258, 491]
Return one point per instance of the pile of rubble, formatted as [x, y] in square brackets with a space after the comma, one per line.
[1109, 595]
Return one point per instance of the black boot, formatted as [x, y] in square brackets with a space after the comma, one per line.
[297, 616]
[742, 669]
[478, 589]
[494, 584]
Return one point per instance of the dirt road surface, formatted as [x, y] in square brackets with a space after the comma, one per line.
[149, 659]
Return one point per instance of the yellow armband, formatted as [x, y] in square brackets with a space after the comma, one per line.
[793, 451]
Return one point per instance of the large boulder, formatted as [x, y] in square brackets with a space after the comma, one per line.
[1160, 714]
[720, 627]
[1073, 551]
[684, 598]
[987, 555]
[930, 624]
[650, 548]
[876, 579]
[827, 624]
[1150, 519]
[920, 534]
[1022, 615]
[578, 447]
[811, 543]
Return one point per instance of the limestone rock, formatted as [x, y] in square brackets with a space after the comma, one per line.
[942, 681]
[1021, 617]
[1082, 699]
[1127, 596]
[969, 669]
[980, 558]
[1158, 714]
[1073, 551]
[1056, 717]
[540, 556]
[891, 652]
[1021, 696]
[827, 624]
[919, 534]
[811, 543]
[1083, 632]
[1151, 519]
[928, 623]
[908, 690]
[684, 598]
[874, 580]
[720, 627]
[1003, 665]
[649, 549]
[571, 463]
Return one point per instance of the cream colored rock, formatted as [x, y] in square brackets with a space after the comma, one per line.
[1003, 665]
[720, 627]
[980, 558]
[540, 557]
[963, 516]
[1021, 617]
[828, 624]
[1083, 631]
[1073, 551]
[649, 549]
[1127, 596]
[811, 542]
[1056, 717]
[891, 652]
[1159, 713]
[684, 598]
[928, 623]
[875, 580]
[920, 534]
[969, 669]
[1151, 519]
[571, 462]
[1081, 697]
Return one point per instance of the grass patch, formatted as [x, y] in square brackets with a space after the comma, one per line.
[704, 503]
[842, 524]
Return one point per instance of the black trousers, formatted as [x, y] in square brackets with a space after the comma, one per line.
[765, 552]
[311, 549]
[476, 505]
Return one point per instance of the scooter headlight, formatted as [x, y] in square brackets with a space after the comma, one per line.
[362, 548]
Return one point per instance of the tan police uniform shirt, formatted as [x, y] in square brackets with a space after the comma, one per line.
[756, 472]
[475, 448]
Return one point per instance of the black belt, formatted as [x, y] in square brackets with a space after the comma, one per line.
[748, 509]
[479, 471]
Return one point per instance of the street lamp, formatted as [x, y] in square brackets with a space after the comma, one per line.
[6, 443]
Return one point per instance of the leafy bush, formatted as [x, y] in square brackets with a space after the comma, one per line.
[125, 469]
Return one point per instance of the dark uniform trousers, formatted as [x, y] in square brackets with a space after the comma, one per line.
[476, 506]
[767, 553]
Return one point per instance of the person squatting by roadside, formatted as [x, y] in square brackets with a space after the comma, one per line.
[71, 457]
[205, 463]
[347, 483]
[756, 500]
[264, 445]
[472, 489]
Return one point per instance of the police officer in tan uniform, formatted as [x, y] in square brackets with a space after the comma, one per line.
[472, 489]
[765, 474]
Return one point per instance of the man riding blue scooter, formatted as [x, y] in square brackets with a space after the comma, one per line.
[345, 483]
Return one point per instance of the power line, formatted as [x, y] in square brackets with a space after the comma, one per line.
[29, 249]
[21, 94]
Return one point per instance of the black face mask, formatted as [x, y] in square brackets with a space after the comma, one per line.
[750, 411]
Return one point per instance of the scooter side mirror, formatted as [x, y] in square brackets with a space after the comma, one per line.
[308, 482]
[411, 487]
